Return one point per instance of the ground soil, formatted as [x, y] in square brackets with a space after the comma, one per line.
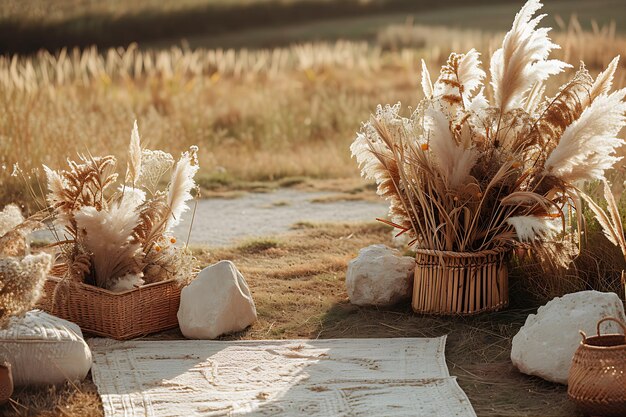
[297, 280]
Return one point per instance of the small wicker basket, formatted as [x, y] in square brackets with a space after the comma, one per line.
[460, 283]
[120, 315]
[597, 378]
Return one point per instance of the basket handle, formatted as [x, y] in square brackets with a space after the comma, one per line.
[613, 319]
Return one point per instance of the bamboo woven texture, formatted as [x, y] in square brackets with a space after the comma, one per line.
[124, 315]
[460, 283]
[597, 379]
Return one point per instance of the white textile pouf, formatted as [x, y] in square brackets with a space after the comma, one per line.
[43, 349]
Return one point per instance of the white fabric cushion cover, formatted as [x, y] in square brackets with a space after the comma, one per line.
[44, 349]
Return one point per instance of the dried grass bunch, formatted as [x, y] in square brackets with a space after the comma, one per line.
[117, 235]
[22, 275]
[466, 174]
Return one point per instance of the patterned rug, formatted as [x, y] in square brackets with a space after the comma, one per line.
[312, 378]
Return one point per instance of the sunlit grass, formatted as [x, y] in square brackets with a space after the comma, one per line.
[257, 116]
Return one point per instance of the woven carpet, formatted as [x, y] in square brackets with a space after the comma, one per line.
[311, 378]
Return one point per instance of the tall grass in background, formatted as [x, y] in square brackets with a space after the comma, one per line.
[258, 115]
[255, 114]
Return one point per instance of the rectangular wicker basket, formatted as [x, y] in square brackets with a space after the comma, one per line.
[120, 315]
[460, 283]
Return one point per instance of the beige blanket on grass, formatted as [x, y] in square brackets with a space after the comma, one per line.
[310, 378]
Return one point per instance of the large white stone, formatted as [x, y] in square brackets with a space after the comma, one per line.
[44, 349]
[545, 345]
[379, 276]
[217, 302]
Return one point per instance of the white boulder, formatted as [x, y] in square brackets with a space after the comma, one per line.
[44, 350]
[379, 276]
[545, 345]
[217, 302]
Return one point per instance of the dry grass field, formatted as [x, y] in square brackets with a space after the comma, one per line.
[478, 348]
[280, 108]
[257, 115]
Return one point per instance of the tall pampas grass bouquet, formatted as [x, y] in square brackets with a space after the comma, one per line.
[467, 175]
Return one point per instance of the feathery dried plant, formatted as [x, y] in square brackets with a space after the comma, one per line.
[22, 275]
[463, 174]
[115, 236]
[610, 221]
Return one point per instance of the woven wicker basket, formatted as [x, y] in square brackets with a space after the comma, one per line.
[597, 378]
[120, 315]
[460, 283]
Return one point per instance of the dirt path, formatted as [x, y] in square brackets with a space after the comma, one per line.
[222, 221]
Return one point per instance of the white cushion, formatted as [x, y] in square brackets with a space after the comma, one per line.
[43, 349]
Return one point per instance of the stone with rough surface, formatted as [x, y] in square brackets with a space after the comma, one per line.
[379, 276]
[545, 345]
[44, 349]
[217, 302]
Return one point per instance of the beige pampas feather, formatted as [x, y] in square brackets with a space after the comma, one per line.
[529, 228]
[180, 187]
[56, 185]
[107, 235]
[427, 85]
[134, 157]
[616, 218]
[453, 161]
[557, 113]
[588, 145]
[604, 80]
[458, 79]
[375, 156]
[131, 197]
[470, 75]
[478, 103]
[522, 60]
[609, 229]
[534, 97]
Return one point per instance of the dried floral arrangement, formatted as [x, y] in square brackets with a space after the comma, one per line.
[22, 275]
[463, 173]
[118, 235]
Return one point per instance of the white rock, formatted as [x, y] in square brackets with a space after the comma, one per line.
[545, 345]
[379, 276]
[44, 349]
[217, 302]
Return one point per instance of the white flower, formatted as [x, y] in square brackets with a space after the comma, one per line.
[154, 164]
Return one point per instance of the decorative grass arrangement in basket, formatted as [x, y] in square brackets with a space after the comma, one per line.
[119, 272]
[121, 315]
[469, 179]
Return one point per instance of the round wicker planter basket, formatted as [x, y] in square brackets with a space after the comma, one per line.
[460, 283]
[597, 378]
